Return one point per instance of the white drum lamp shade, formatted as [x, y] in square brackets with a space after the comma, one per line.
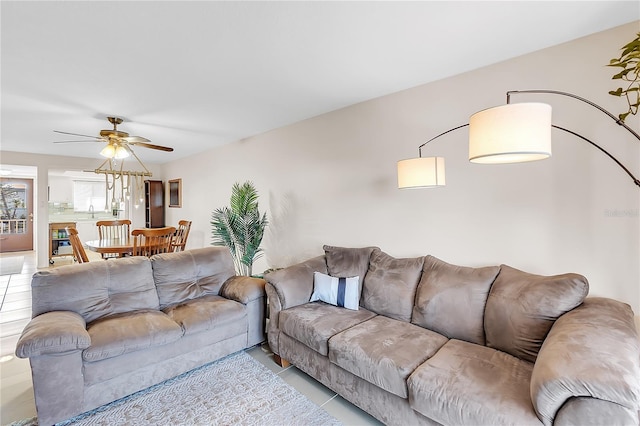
[510, 133]
[421, 172]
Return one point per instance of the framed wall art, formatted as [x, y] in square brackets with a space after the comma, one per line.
[175, 193]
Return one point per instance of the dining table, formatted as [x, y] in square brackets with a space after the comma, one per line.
[120, 246]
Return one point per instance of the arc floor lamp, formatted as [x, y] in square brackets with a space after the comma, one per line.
[511, 133]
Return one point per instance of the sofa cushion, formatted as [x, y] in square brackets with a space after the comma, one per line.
[384, 351]
[206, 313]
[348, 262]
[95, 289]
[522, 307]
[314, 323]
[469, 384]
[190, 274]
[336, 291]
[129, 332]
[451, 299]
[389, 288]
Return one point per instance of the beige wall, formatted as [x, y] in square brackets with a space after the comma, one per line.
[332, 179]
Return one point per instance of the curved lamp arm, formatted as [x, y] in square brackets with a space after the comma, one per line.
[635, 180]
[571, 95]
[436, 137]
[596, 106]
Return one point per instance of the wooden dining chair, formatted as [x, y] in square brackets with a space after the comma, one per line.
[182, 233]
[113, 230]
[150, 241]
[79, 254]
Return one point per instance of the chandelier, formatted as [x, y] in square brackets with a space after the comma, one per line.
[121, 183]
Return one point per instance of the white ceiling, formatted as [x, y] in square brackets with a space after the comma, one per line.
[194, 75]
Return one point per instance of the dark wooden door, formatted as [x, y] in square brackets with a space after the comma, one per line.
[154, 203]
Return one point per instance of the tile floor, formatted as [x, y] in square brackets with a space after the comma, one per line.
[16, 390]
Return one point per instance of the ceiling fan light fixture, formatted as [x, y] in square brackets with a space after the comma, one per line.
[121, 152]
[108, 151]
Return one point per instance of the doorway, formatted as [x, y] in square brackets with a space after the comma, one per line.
[16, 214]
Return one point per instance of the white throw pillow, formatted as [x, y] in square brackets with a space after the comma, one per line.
[342, 292]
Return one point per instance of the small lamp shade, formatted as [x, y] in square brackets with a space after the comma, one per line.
[121, 152]
[511, 133]
[108, 151]
[421, 172]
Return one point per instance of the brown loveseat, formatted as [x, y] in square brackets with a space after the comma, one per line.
[434, 343]
[106, 329]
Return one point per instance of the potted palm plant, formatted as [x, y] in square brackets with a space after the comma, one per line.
[240, 227]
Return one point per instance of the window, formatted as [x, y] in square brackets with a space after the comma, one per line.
[87, 194]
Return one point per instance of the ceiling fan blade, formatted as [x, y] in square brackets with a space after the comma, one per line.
[148, 145]
[80, 140]
[78, 134]
[133, 139]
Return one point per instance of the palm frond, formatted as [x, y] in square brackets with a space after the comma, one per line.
[240, 226]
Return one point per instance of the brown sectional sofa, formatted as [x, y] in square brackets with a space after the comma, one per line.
[103, 330]
[434, 343]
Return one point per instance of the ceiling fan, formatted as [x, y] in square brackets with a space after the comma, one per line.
[119, 143]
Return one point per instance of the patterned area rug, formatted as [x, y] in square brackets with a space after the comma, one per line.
[236, 390]
[11, 265]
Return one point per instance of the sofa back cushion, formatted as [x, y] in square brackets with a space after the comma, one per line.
[343, 262]
[389, 287]
[190, 274]
[95, 289]
[451, 299]
[522, 307]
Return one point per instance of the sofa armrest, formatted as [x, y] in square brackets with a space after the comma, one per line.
[250, 292]
[289, 287]
[53, 333]
[294, 284]
[243, 289]
[591, 353]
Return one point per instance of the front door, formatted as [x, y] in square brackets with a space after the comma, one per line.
[16, 214]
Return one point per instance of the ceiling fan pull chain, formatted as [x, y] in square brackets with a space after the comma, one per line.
[121, 186]
[106, 192]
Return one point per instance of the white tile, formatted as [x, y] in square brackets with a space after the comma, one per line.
[15, 367]
[15, 315]
[8, 345]
[15, 305]
[16, 409]
[20, 279]
[307, 385]
[19, 288]
[11, 328]
[265, 358]
[18, 295]
[16, 382]
[349, 414]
